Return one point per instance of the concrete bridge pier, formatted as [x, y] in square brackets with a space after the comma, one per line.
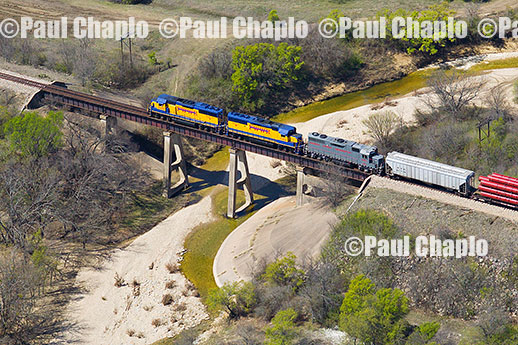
[238, 162]
[301, 173]
[108, 125]
[173, 145]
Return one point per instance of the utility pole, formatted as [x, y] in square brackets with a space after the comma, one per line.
[129, 45]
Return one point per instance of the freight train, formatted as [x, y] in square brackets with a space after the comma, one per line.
[495, 188]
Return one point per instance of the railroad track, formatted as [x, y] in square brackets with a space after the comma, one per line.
[79, 95]
[138, 114]
[108, 107]
[480, 204]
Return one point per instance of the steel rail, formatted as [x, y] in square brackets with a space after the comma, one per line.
[100, 105]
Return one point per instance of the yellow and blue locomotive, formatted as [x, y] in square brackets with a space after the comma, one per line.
[264, 130]
[185, 111]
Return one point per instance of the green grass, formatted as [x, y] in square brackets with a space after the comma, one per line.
[496, 64]
[218, 161]
[356, 99]
[203, 242]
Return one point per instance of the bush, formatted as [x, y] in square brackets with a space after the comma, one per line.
[32, 135]
[122, 75]
[516, 91]
[382, 125]
[445, 141]
[172, 267]
[262, 68]
[237, 298]
[167, 299]
[284, 272]
[372, 316]
[283, 329]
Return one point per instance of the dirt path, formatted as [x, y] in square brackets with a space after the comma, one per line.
[134, 313]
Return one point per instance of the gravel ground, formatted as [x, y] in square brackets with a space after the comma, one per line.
[443, 197]
[109, 314]
[419, 211]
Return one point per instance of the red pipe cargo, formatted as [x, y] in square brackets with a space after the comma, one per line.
[505, 177]
[486, 182]
[499, 198]
[498, 192]
[503, 181]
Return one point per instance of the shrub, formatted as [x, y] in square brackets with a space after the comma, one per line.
[382, 125]
[170, 284]
[372, 316]
[429, 329]
[181, 307]
[283, 329]
[262, 68]
[237, 298]
[34, 135]
[284, 272]
[167, 299]
[172, 267]
[516, 91]
[156, 323]
[119, 281]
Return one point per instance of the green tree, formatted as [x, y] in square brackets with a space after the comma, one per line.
[33, 135]
[369, 315]
[284, 272]
[283, 329]
[273, 16]
[335, 15]
[152, 59]
[261, 68]
[427, 45]
[429, 329]
[237, 298]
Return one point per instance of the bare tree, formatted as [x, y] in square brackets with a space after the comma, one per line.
[381, 125]
[84, 63]
[67, 51]
[249, 333]
[27, 199]
[452, 91]
[95, 185]
[336, 189]
[7, 48]
[7, 98]
[19, 315]
[497, 101]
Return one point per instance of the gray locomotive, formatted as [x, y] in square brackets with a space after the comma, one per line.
[345, 152]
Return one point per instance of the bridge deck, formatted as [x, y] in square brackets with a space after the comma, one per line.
[98, 105]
